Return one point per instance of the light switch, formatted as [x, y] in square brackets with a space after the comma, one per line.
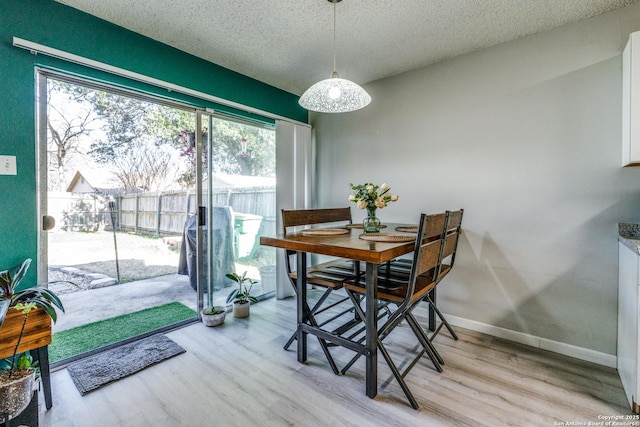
[8, 165]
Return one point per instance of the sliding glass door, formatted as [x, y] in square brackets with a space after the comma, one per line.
[153, 202]
[239, 195]
[117, 173]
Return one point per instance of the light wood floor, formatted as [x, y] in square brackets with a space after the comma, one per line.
[239, 375]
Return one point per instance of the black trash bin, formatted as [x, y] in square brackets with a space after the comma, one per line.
[222, 247]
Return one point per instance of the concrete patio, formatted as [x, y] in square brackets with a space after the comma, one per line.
[91, 305]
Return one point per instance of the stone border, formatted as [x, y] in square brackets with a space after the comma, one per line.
[97, 280]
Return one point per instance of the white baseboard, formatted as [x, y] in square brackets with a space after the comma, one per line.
[581, 353]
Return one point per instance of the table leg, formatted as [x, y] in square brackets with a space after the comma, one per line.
[42, 355]
[301, 294]
[432, 313]
[371, 324]
[357, 273]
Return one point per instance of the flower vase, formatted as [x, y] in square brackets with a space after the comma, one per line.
[371, 223]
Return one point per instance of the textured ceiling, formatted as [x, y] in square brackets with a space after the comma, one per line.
[288, 43]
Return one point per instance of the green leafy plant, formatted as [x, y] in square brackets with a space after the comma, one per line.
[39, 295]
[24, 300]
[24, 361]
[241, 295]
[211, 310]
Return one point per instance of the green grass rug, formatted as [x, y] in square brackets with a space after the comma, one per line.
[88, 337]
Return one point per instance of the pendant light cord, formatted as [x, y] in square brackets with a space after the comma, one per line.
[335, 73]
[334, 35]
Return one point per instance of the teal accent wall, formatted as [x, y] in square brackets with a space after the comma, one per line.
[58, 26]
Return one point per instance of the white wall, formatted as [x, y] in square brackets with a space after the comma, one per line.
[525, 136]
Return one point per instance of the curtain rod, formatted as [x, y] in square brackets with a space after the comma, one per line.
[36, 48]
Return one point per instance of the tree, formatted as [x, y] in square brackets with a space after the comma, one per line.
[243, 149]
[69, 119]
[132, 128]
[123, 123]
[237, 149]
[144, 167]
[224, 160]
[140, 139]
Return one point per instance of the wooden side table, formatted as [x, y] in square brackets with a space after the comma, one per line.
[36, 338]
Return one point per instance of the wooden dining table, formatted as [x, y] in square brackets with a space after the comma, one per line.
[349, 246]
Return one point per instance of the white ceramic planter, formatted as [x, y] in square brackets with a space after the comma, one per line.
[241, 310]
[214, 319]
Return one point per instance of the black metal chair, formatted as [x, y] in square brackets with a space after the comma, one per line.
[401, 268]
[329, 275]
[406, 292]
[454, 228]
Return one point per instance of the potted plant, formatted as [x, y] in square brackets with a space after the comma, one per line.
[25, 324]
[241, 297]
[213, 315]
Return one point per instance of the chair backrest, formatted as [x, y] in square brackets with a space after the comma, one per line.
[452, 236]
[298, 217]
[427, 254]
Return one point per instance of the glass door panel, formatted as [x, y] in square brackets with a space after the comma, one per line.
[114, 174]
[240, 195]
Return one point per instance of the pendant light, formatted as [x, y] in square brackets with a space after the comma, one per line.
[334, 95]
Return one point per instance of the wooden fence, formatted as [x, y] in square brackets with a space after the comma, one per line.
[78, 211]
[166, 213]
[159, 214]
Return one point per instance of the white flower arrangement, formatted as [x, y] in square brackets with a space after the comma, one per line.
[371, 196]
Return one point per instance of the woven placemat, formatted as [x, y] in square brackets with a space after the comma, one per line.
[324, 231]
[407, 228]
[388, 237]
[356, 225]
